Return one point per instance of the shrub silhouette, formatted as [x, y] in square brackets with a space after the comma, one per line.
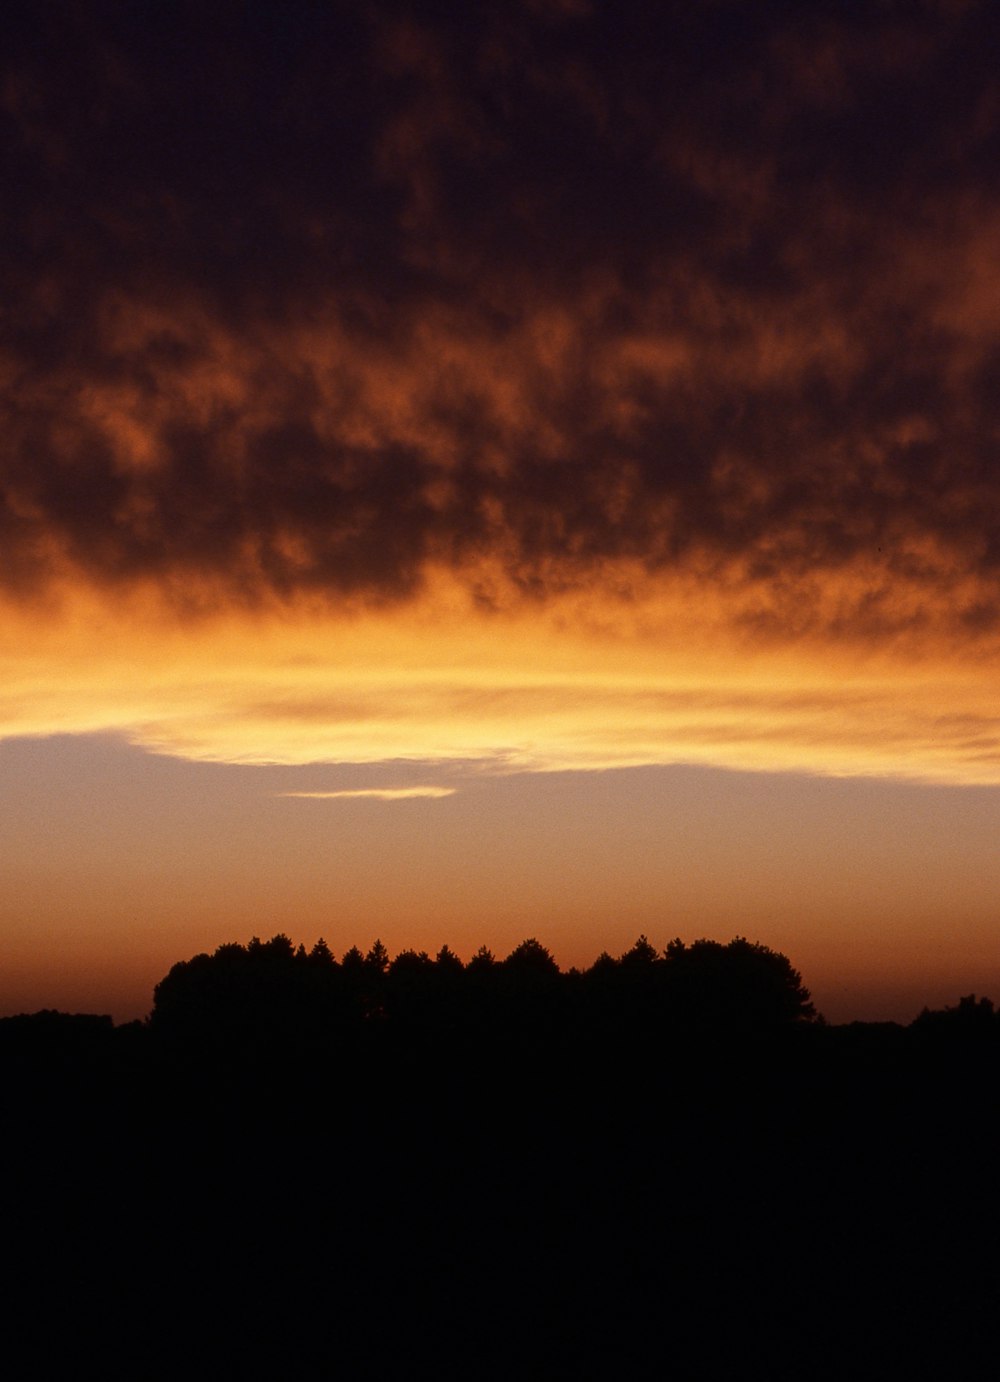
[971, 1019]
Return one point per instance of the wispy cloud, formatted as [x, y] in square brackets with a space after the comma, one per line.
[375, 793]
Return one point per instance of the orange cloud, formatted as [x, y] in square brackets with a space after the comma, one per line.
[523, 389]
[586, 681]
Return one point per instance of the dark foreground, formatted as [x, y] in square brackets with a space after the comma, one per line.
[410, 1201]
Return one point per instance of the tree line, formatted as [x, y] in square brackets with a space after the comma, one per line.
[293, 991]
[273, 988]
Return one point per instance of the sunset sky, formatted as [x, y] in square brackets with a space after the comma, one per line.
[479, 471]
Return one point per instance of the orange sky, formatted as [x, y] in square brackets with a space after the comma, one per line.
[429, 773]
[575, 431]
[116, 863]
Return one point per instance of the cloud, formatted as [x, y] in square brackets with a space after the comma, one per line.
[377, 793]
[676, 319]
[567, 687]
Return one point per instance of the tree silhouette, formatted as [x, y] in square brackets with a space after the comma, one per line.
[482, 959]
[448, 962]
[321, 955]
[531, 959]
[377, 959]
[409, 985]
[641, 956]
[740, 985]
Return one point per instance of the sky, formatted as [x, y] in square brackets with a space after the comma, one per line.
[470, 472]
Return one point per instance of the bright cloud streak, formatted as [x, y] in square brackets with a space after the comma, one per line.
[378, 793]
[588, 681]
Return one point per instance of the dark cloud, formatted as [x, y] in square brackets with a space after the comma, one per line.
[302, 297]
